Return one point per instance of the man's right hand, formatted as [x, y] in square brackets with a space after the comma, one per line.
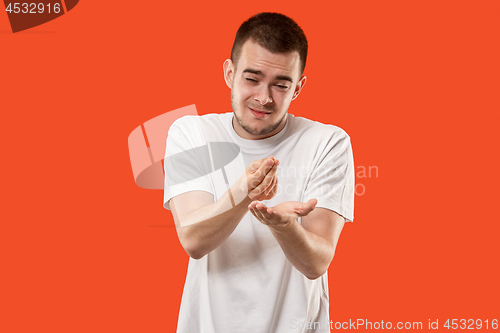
[202, 224]
[260, 181]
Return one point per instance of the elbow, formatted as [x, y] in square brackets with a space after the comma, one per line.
[193, 251]
[192, 248]
[315, 275]
[318, 271]
[189, 243]
[312, 277]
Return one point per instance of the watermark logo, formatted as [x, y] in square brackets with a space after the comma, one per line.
[26, 15]
[363, 172]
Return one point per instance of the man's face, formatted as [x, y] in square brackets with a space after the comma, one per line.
[262, 87]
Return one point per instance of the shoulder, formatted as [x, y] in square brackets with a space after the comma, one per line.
[193, 122]
[317, 131]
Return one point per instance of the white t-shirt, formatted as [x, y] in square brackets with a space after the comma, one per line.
[247, 284]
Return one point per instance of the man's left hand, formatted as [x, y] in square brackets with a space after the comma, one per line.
[282, 214]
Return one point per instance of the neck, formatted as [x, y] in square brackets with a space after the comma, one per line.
[241, 132]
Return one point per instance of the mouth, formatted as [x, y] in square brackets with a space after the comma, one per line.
[259, 114]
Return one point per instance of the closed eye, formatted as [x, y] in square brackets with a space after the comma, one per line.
[251, 80]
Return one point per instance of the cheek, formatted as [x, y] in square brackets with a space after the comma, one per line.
[243, 88]
[283, 100]
[244, 92]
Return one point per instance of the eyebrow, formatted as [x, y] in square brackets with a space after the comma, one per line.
[278, 77]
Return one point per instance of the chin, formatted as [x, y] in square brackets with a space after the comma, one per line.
[253, 125]
[264, 129]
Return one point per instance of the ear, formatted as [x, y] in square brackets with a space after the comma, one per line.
[228, 68]
[299, 86]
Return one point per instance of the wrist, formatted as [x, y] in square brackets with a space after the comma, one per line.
[240, 193]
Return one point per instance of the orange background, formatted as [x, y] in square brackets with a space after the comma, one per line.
[414, 83]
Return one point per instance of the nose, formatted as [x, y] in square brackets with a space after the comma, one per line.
[263, 96]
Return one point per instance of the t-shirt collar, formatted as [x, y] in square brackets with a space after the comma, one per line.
[272, 140]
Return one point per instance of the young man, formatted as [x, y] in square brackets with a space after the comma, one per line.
[259, 197]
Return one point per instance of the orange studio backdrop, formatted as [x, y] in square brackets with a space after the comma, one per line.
[414, 83]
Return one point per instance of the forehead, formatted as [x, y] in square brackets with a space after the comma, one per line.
[255, 57]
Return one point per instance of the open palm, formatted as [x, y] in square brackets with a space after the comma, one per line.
[283, 213]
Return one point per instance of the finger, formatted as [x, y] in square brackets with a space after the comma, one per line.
[311, 204]
[252, 211]
[253, 205]
[269, 164]
[255, 165]
[258, 218]
[265, 167]
[269, 176]
[261, 188]
[308, 207]
[256, 177]
[271, 187]
[260, 206]
[274, 189]
[271, 190]
[264, 211]
[259, 215]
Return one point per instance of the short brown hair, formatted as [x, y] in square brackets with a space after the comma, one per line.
[273, 31]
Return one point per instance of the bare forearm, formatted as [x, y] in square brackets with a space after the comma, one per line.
[203, 230]
[307, 252]
[202, 225]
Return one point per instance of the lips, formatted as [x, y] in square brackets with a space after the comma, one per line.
[260, 114]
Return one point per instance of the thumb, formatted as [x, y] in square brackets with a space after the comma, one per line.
[308, 207]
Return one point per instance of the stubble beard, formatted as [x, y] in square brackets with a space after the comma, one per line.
[264, 131]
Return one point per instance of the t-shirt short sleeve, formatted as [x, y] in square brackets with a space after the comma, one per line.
[332, 179]
[187, 162]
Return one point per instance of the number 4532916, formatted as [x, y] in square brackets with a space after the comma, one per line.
[470, 324]
[33, 8]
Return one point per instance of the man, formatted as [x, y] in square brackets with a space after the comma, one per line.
[259, 197]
